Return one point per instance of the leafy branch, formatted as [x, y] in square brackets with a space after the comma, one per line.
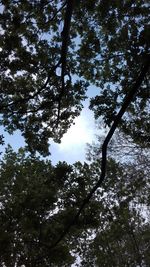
[61, 61]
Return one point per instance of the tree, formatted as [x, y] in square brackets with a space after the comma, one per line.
[117, 36]
[121, 238]
[39, 200]
[29, 196]
[38, 95]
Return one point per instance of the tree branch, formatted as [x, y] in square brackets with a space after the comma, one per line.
[64, 49]
[65, 32]
[129, 97]
[55, 15]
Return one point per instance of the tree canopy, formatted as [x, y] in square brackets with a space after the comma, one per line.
[50, 52]
[45, 43]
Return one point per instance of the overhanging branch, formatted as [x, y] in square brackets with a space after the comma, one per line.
[127, 100]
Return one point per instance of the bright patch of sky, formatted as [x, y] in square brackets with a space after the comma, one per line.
[77, 135]
[73, 144]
